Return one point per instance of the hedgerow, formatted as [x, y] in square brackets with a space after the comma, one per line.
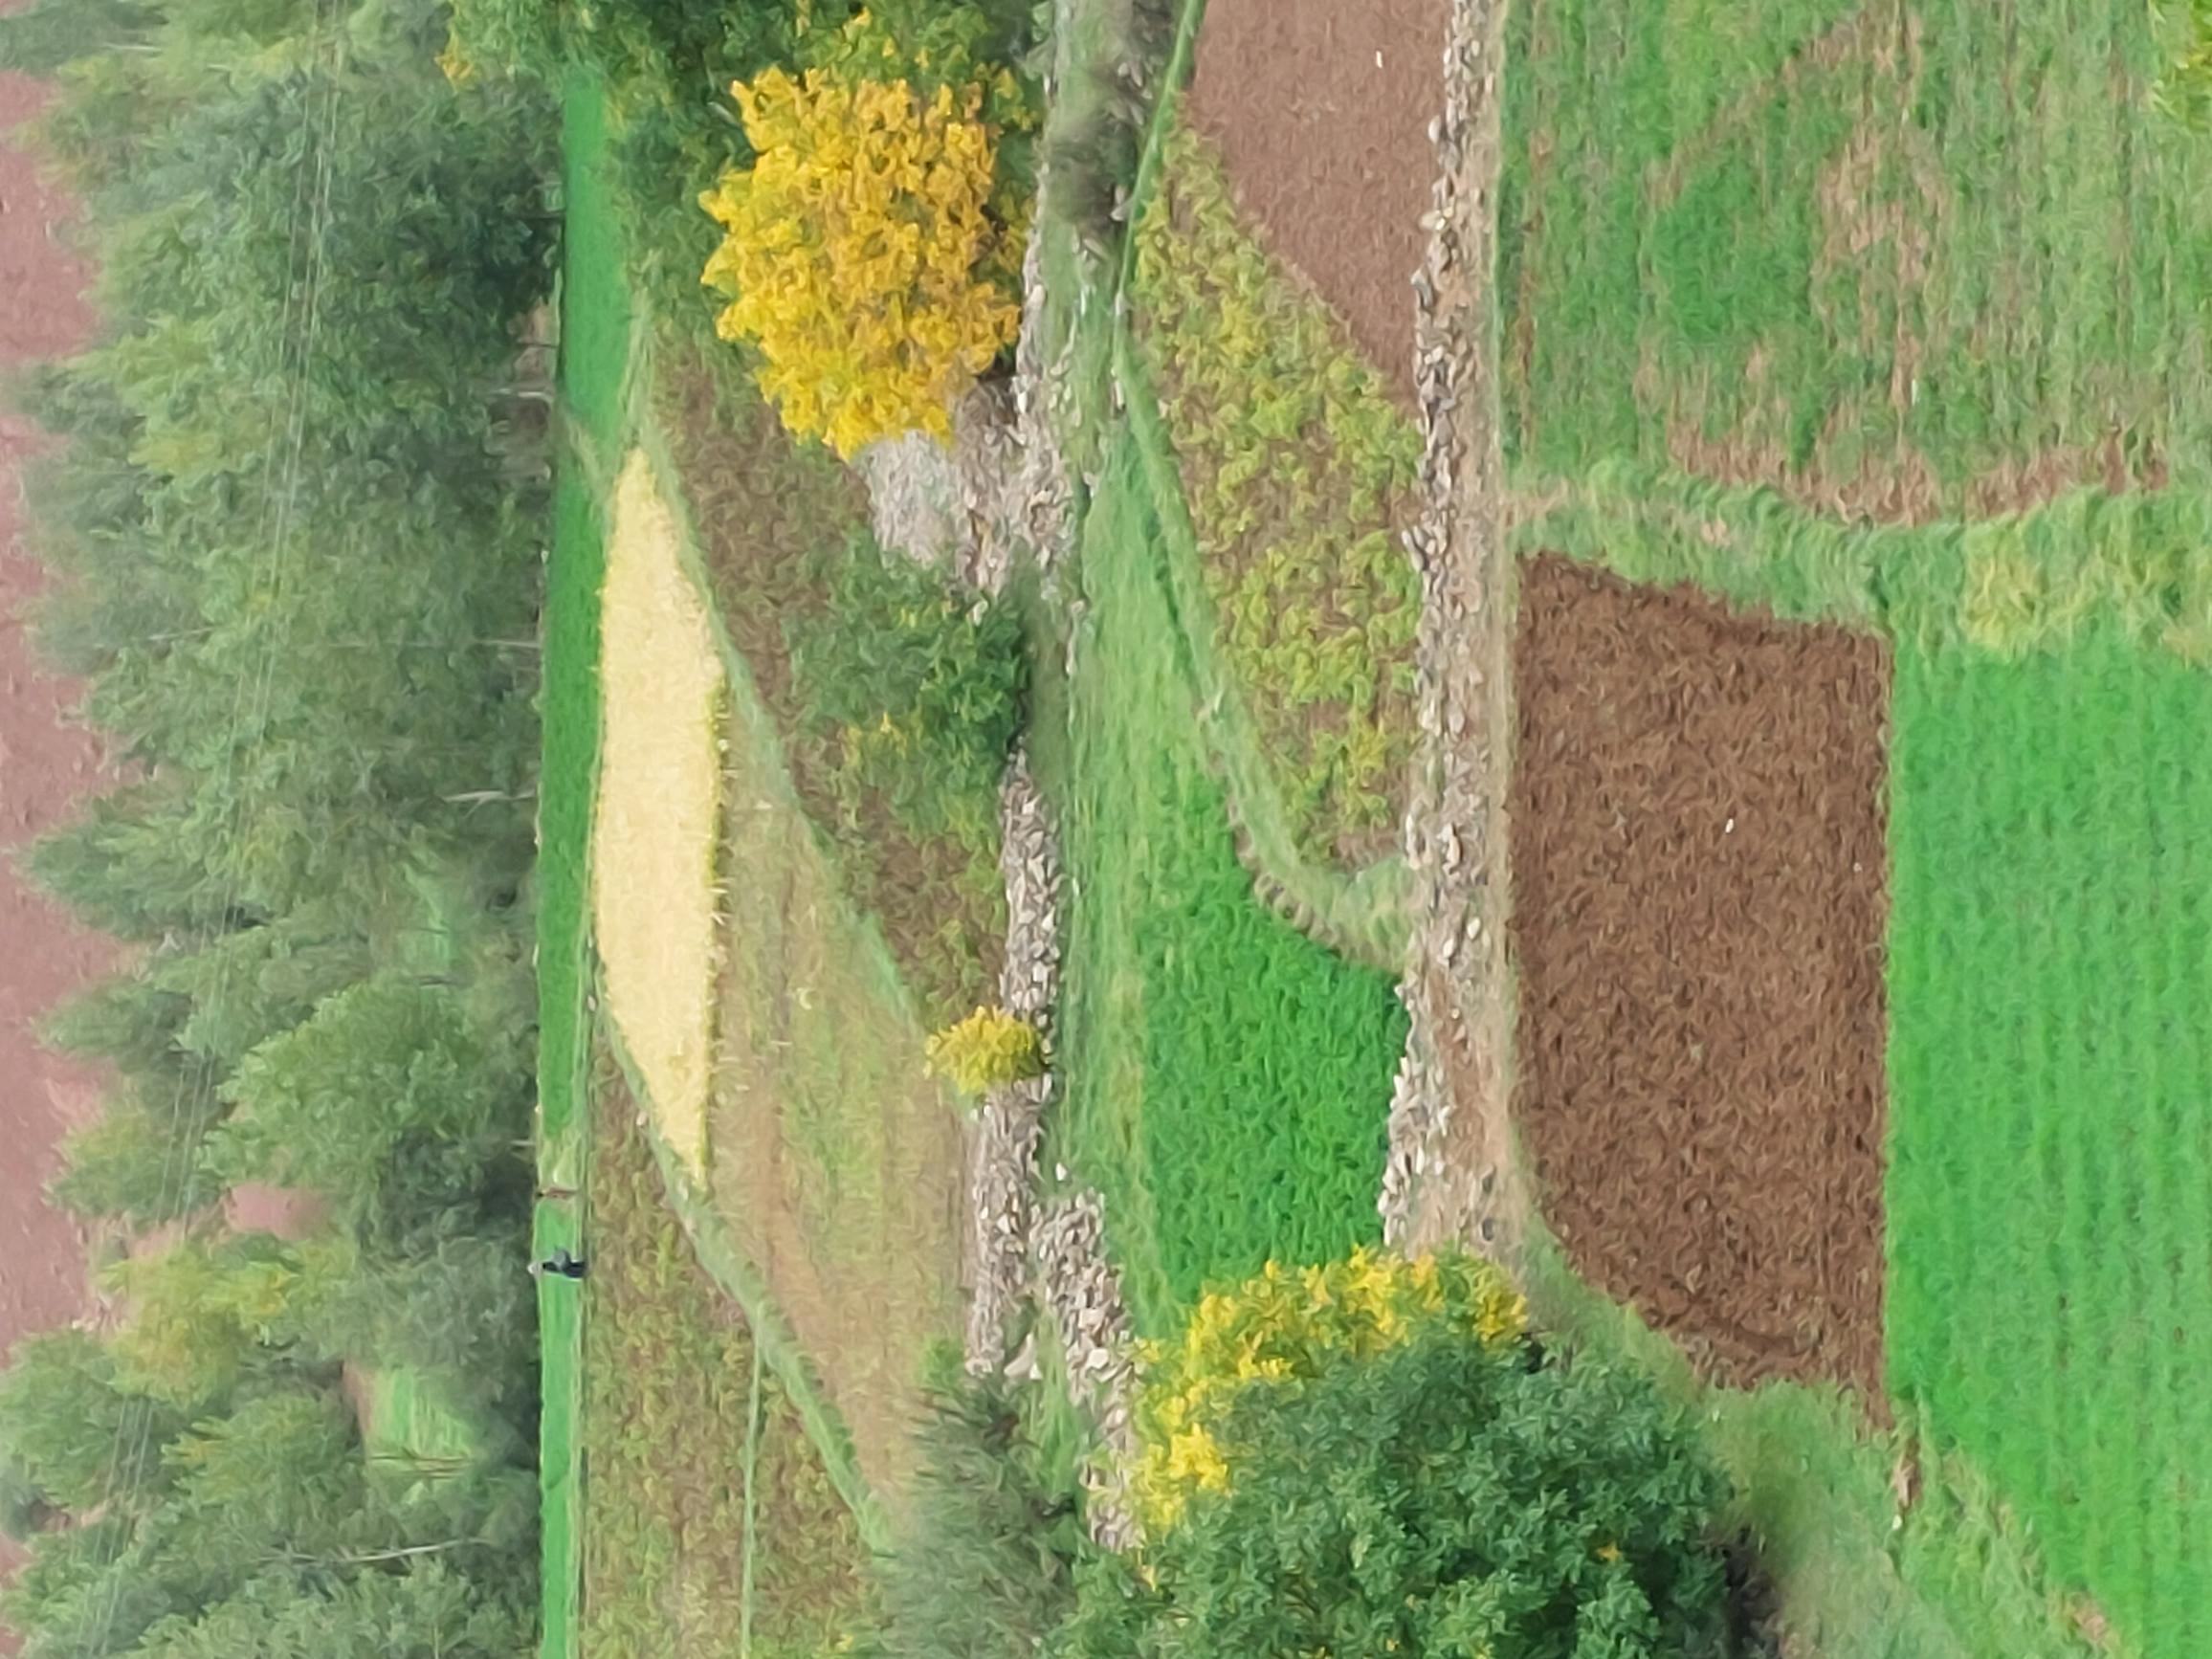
[1299, 473]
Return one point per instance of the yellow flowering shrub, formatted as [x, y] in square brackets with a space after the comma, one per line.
[988, 1048]
[872, 252]
[1287, 1325]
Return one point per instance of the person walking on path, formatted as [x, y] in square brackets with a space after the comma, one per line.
[560, 1263]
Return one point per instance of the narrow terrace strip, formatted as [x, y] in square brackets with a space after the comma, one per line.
[1451, 1175]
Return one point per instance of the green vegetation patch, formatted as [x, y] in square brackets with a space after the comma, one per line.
[1815, 1493]
[713, 1526]
[1915, 260]
[807, 597]
[2050, 1296]
[1299, 473]
[1228, 1078]
[834, 1163]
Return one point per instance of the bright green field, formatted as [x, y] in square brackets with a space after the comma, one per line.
[1228, 1078]
[1955, 224]
[2050, 1185]
[594, 314]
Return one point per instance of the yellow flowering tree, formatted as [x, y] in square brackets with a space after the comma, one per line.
[1289, 1326]
[871, 250]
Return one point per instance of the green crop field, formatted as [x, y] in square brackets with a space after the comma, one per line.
[1227, 1077]
[1951, 242]
[2051, 1189]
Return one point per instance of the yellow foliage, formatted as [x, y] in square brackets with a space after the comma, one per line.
[869, 254]
[1286, 1325]
[657, 829]
[988, 1048]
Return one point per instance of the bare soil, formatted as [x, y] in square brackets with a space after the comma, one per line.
[1322, 112]
[47, 764]
[1698, 827]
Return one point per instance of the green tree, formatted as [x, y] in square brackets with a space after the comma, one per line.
[136, 1162]
[985, 1561]
[385, 1102]
[1443, 1497]
[423, 1611]
[71, 1424]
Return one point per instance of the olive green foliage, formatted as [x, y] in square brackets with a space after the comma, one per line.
[916, 685]
[989, 1047]
[985, 1556]
[2087, 566]
[2184, 88]
[290, 521]
[675, 1555]
[1443, 1497]
[1299, 473]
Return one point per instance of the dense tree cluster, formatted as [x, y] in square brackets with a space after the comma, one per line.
[294, 523]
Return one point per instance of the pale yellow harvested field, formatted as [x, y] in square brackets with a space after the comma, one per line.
[656, 823]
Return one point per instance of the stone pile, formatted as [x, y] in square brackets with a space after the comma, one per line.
[1082, 1295]
[1002, 1140]
[1455, 981]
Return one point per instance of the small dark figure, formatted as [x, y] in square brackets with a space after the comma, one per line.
[560, 1263]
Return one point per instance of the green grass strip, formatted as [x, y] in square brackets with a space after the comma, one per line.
[2050, 1192]
[1227, 1077]
[594, 322]
[2030, 583]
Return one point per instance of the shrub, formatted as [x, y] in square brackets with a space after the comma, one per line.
[919, 689]
[874, 247]
[984, 1560]
[988, 1049]
[1445, 1495]
[1284, 1326]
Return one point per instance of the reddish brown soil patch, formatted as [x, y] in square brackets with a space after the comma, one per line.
[1698, 868]
[46, 765]
[1322, 112]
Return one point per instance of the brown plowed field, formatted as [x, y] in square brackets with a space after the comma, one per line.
[1698, 897]
[46, 765]
[1321, 110]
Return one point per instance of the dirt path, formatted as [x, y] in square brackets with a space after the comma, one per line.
[46, 766]
[1451, 1175]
